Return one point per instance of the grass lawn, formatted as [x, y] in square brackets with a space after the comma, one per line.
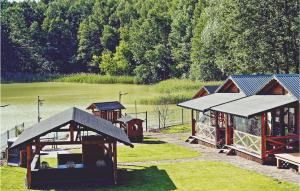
[153, 150]
[177, 129]
[204, 176]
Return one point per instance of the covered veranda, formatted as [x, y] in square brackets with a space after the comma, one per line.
[262, 125]
[96, 165]
[209, 126]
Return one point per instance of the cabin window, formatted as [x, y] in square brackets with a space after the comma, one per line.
[251, 126]
[203, 118]
[212, 118]
[221, 120]
[135, 127]
[289, 120]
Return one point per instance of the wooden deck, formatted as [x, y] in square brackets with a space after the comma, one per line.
[292, 158]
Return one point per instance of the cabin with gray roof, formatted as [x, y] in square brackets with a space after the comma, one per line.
[208, 127]
[255, 116]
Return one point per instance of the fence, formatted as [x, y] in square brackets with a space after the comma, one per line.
[11, 133]
[160, 118]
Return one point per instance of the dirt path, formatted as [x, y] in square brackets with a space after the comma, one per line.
[210, 154]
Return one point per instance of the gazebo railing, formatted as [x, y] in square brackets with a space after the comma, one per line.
[206, 133]
[246, 141]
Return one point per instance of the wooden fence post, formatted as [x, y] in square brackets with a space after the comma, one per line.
[158, 119]
[146, 121]
[182, 116]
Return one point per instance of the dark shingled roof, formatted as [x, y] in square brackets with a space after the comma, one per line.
[291, 82]
[78, 116]
[105, 106]
[211, 89]
[249, 84]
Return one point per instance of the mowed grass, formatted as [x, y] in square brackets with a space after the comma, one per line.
[154, 150]
[200, 175]
[177, 129]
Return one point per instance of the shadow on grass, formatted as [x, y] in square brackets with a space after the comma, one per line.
[149, 140]
[134, 178]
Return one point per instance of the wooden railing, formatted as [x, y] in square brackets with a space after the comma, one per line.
[246, 141]
[206, 133]
[280, 144]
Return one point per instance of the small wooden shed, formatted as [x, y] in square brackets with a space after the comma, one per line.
[96, 165]
[133, 128]
[110, 111]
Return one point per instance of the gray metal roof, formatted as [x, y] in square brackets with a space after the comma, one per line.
[211, 89]
[105, 106]
[249, 84]
[255, 104]
[78, 116]
[291, 82]
[127, 118]
[206, 102]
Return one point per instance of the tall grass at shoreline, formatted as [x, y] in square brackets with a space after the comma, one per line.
[175, 91]
[180, 85]
[96, 79]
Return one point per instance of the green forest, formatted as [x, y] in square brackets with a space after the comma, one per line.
[152, 40]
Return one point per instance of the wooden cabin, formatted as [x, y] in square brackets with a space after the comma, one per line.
[133, 128]
[110, 111]
[208, 126]
[265, 124]
[205, 90]
[95, 166]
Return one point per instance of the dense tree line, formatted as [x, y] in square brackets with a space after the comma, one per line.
[151, 39]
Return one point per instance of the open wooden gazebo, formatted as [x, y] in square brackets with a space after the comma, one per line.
[97, 164]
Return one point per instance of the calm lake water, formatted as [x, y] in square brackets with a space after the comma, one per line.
[22, 100]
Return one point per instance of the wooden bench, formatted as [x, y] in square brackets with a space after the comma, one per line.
[292, 158]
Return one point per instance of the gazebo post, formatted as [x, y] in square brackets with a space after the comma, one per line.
[193, 124]
[217, 126]
[227, 128]
[28, 175]
[263, 137]
[115, 161]
[72, 127]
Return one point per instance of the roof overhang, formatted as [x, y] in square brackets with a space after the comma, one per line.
[77, 116]
[209, 101]
[253, 105]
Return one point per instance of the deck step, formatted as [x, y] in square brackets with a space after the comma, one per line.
[227, 151]
[192, 140]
